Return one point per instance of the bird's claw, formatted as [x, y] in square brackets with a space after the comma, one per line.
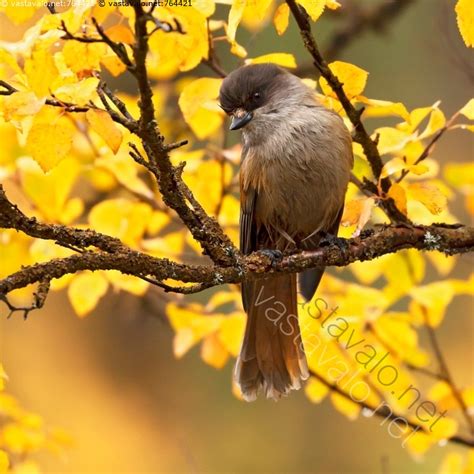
[329, 239]
[275, 256]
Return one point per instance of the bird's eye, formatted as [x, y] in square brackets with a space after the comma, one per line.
[256, 95]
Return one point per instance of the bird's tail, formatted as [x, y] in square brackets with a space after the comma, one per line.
[272, 357]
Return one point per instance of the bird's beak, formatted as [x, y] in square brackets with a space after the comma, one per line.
[240, 119]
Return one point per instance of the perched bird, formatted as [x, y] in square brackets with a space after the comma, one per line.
[295, 168]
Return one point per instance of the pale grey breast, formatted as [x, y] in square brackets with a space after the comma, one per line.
[295, 152]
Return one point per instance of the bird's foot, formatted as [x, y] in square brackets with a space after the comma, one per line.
[275, 256]
[330, 239]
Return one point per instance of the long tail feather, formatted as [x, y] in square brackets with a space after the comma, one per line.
[272, 358]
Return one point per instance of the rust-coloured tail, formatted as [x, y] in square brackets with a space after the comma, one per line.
[272, 356]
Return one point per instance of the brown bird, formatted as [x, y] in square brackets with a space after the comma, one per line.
[295, 168]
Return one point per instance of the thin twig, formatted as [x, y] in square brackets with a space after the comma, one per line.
[360, 134]
[385, 411]
[446, 374]
[431, 145]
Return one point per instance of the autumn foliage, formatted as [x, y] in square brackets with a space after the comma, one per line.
[77, 155]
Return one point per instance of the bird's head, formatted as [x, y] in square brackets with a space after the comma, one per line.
[253, 92]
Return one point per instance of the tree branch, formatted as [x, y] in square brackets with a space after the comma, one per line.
[112, 254]
[447, 377]
[360, 134]
[384, 411]
[431, 145]
[375, 18]
[175, 193]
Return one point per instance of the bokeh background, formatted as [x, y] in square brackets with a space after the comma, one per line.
[111, 379]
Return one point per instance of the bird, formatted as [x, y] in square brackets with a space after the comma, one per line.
[294, 172]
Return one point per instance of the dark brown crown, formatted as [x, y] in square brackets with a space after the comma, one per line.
[249, 87]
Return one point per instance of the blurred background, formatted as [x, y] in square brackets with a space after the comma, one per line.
[111, 380]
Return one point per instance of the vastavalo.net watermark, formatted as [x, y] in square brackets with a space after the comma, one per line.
[372, 363]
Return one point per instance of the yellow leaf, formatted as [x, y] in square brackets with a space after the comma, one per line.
[352, 77]
[468, 110]
[235, 16]
[416, 117]
[281, 18]
[169, 246]
[452, 464]
[256, 14]
[113, 64]
[383, 108]
[21, 104]
[41, 71]
[469, 203]
[85, 291]
[79, 93]
[445, 428]
[345, 406]
[121, 218]
[442, 262]
[8, 64]
[128, 283]
[333, 4]
[358, 212]
[213, 352]
[120, 33]
[238, 50]
[83, 56]
[199, 106]
[465, 19]
[19, 14]
[391, 139]
[367, 272]
[418, 443]
[198, 180]
[396, 165]
[460, 174]
[468, 397]
[222, 298]
[429, 195]
[190, 325]
[206, 7]
[50, 138]
[231, 332]
[314, 8]
[125, 171]
[315, 390]
[397, 193]
[396, 331]
[282, 59]
[105, 127]
[158, 221]
[4, 462]
[430, 301]
[100, 13]
[175, 51]
[183, 341]
[442, 394]
[436, 122]
[3, 377]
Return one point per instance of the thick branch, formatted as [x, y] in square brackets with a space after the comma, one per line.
[114, 255]
[175, 193]
[12, 218]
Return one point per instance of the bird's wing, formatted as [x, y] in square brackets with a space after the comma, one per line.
[248, 230]
[248, 233]
[309, 279]
[248, 226]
